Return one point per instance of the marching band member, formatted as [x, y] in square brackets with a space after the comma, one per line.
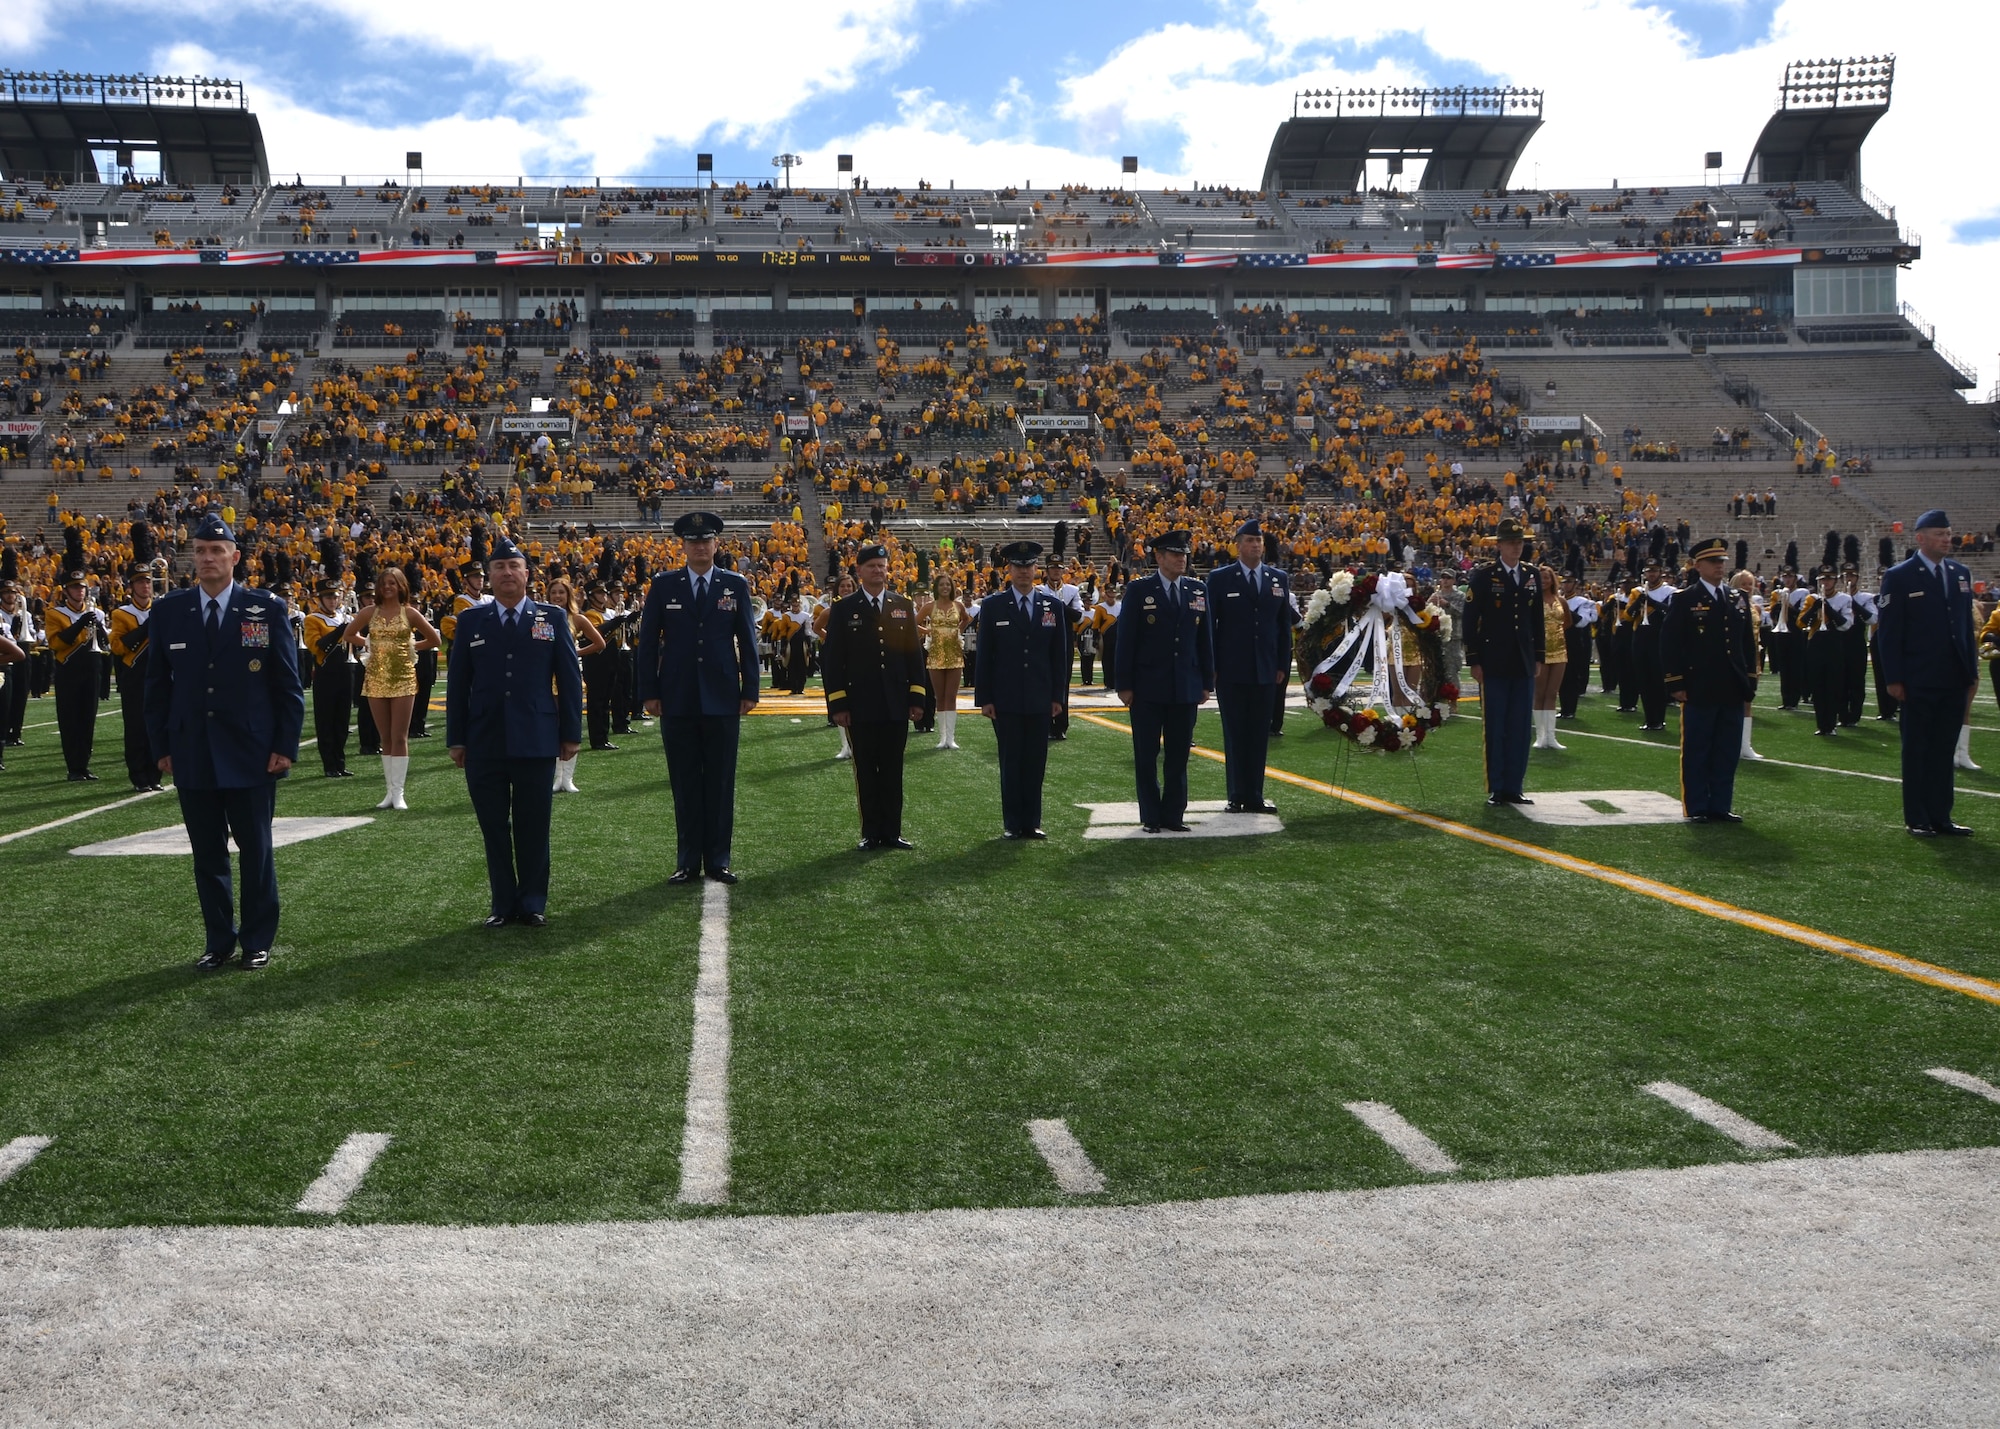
[1580, 620]
[75, 631]
[332, 676]
[1822, 620]
[128, 639]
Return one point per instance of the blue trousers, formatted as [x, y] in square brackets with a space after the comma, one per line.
[1506, 704]
[1711, 745]
[513, 799]
[1154, 726]
[1024, 761]
[1930, 723]
[701, 766]
[213, 817]
[1246, 739]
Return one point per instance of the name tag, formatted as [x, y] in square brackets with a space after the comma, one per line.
[477, 643]
[1916, 595]
[673, 605]
[178, 645]
[1234, 594]
[256, 635]
[998, 623]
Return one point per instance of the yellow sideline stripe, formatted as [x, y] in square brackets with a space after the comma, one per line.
[1874, 957]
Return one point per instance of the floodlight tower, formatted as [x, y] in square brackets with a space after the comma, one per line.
[787, 162]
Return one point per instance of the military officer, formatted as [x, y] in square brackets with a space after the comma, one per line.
[1023, 677]
[332, 680]
[1164, 672]
[129, 635]
[513, 705]
[223, 712]
[872, 663]
[76, 632]
[1925, 643]
[1250, 614]
[1505, 639]
[1708, 656]
[698, 672]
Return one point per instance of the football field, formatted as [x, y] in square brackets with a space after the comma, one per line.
[1387, 984]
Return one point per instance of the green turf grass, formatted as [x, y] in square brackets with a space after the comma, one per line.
[1198, 1010]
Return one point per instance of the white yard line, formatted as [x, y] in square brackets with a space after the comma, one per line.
[1403, 1139]
[343, 1175]
[1734, 1125]
[16, 1154]
[705, 1131]
[1780, 763]
[101, 714]
[1068, 1162]
[72, 818]
[1964, 1081]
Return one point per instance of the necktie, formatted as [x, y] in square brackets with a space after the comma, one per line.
[214, 620]
[510, 623]
[1174, 594]
[700, 589]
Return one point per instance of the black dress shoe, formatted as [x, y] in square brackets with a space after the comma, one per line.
[1145, 828]
[497, 920]
[868, 845]
[894, 843]
[722, 875]
[207, 962]
[1009, 835]
[604, 746]
[1233, 807]
[1493, 801]
[533, 920]
[1725, 818]
[1178, 828]
[1519, 799]
[1922, 831]
[1267, 807]
[1038, 834]
[682, 875]
[343, 773]
[256, 960]
[1822, 734]
[1955, 831]
[1652, 726]
[1700, 819]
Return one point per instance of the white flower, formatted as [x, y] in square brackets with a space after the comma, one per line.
[1341, 588]
[1366, 737]
[1316, 607]
[1441, 710]
[1443, 618]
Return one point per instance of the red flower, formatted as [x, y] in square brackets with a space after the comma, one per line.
[1332, 719]
[1448, 691]
[1363, 589]
[1322, 684]
[1417, 735]
[1389, 741]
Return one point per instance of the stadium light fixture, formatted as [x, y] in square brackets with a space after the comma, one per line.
[787, 162]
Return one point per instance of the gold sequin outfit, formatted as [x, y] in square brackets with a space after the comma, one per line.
[947, 651]
[392, 658]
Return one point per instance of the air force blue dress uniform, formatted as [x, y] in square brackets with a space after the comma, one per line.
[513, 695]
[697, 656]
[1251, 617]
[1925, 645]
[1165, 658]
[1022, 676]
[1708, 656]
[223, 696]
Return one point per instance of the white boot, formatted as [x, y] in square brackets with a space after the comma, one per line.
[1963, 758]
[846, 749]
[1748, 752]
[947, 727]
[566, 776]
[1549, 729]
[395, 768]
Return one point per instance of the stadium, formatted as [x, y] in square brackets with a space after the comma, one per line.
[1383, 1104]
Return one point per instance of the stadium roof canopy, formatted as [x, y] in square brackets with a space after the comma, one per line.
[202, 129]
[1825, 110]
[1468, 138]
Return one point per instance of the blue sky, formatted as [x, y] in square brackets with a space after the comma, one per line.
[1006, 91]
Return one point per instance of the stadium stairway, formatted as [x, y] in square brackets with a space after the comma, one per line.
[1667, 395]
[1868, 400]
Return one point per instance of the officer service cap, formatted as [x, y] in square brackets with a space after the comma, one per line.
[213, 528]
[1713, 546]
[1933, 520]
[1019, 553]
[1512, 530]
[505, 550]
[873, 551]
[1180, 541]
[698, 526]
[1250, 528]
